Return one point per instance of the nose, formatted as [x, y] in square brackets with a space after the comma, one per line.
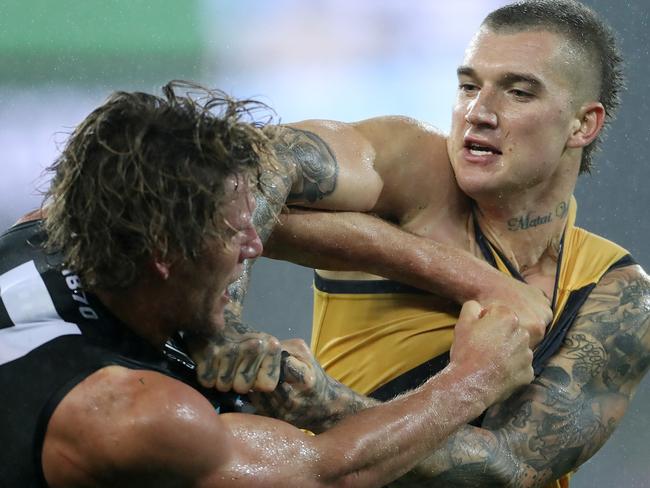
[251, 244]
[480, 113]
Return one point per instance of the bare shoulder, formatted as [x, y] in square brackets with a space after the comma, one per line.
[390, 138]
[404, 137]
[121, 424]
[413, 161]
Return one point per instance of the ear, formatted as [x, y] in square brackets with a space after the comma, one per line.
[161, 266]
[162, 269]
[587, 125]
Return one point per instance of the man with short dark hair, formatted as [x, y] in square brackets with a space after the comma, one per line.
[538, 82]
[151, 206]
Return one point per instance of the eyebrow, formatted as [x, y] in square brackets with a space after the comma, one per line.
[507, 79]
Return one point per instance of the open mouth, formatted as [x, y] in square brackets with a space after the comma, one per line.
[481, 150]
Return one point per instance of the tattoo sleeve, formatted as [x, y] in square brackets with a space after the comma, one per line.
[316, 403]
[273, 187]
[303, 171]
[559, 421]
[315, 163]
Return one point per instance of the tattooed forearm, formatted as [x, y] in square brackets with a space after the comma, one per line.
[315, 163]
[558, 422]
[305, 171]
[624, 330]
[273, 187]
[238, 349]
[471, 457]
[311, 401]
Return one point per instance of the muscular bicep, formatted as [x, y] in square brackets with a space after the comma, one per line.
[334, 165]
[123, 427]
[571, 409]
[130, 428]
[390, 165]
[413, 162]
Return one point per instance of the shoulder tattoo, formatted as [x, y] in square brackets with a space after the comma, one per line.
[314, 161]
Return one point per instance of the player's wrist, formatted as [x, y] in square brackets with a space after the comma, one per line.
[467, 386]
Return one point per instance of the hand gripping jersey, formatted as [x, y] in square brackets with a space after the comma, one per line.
[53, 334]
[382, 338]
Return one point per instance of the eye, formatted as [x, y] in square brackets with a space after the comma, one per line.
[521, 94]
[467, 87]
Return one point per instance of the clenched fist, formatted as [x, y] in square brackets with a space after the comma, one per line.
[494, 349]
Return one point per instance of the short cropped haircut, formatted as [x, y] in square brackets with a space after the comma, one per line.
[583, 28]
[144, 175]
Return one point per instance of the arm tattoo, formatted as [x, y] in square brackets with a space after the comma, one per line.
[315, 162]
[305, 167]
[273, 187]
[320, 404]
[305, 171]
[559, 421]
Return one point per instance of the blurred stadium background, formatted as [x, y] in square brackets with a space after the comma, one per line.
[307, 59]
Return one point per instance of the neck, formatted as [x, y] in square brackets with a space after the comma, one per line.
[526, 232]
[132, 307]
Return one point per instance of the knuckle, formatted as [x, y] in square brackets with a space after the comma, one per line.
[512, 317]
[241, 387]
[254, 346]
[290, 343]
[273, 344]
[505, 313]
[207, 381]
[302, 345]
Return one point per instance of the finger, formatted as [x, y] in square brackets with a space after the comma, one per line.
[247, 372]
[227, 369]
[268, 373]
[295, 371]
[471, 311]
[284, 355]
[207, 370]
[504, 314]
[297, 348]
[259, 369]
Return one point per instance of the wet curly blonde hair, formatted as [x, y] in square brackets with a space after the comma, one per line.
[144, 175]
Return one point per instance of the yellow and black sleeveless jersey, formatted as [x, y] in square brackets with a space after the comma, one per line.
[382, 338]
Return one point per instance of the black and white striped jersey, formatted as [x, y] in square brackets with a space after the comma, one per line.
[53, 334]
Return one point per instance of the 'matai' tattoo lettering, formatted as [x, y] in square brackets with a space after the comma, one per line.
[531, 220]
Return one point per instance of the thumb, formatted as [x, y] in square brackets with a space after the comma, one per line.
[292, 369]
[471, 311]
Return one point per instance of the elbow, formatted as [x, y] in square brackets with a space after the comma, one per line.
[371, 187]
